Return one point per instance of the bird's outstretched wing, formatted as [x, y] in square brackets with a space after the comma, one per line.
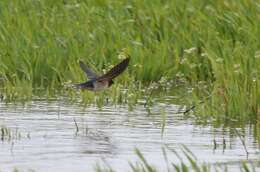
[88, 71]
[116, 70]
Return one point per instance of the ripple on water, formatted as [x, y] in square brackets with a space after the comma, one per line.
[44, 133]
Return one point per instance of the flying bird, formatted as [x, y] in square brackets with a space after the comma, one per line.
[97, 82]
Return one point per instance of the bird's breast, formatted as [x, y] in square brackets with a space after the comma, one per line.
[100, 85]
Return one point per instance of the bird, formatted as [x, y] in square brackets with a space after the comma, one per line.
[97, 82]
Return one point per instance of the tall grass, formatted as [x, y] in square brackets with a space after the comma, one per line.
[211, 41]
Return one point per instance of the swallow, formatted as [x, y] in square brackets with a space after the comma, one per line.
[97, 82]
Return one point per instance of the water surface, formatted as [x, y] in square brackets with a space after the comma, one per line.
[44, 137]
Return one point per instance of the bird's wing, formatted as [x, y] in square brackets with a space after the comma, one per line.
[88, 71]
[116, 70]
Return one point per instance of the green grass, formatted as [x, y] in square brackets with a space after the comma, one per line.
[211, 42]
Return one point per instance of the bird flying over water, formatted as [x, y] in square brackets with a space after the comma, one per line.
[98, 83]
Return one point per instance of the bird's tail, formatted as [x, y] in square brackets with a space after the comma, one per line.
[85, 85]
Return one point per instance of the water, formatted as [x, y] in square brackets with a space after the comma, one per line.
[44, 137]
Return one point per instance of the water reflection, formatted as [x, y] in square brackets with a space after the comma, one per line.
[60, 136]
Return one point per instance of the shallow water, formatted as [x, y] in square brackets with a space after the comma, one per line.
[44, 137]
